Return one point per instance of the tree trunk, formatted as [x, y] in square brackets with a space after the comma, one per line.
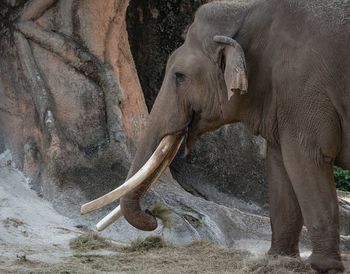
[70, 98]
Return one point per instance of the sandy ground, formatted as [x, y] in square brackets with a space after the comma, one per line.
[153, 256]
[34, 238]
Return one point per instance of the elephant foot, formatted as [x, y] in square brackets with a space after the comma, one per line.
[325, 264]
[284, 250]
[287, 246]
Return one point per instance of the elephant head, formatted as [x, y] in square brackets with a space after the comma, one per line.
[201, 90]
[203, 80]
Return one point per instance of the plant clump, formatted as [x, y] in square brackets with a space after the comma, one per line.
[163, 213]
[89, 241]
[149, 243]
[342, 178]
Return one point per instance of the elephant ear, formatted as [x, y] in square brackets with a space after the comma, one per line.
[235, 66]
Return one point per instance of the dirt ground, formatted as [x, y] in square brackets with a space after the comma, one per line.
[93, 254]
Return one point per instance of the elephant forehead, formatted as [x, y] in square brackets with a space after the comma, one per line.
[188, 61]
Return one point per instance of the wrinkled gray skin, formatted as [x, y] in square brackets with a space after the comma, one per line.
[298, 67]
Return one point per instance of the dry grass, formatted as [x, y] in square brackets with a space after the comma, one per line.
[163, 213]
[153, 255]
[89, 241]
[146, 244]
[282, 265]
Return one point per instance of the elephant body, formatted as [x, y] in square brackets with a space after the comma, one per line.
[282, 68]
[298, 67]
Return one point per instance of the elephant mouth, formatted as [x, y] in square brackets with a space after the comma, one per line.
[151, 170]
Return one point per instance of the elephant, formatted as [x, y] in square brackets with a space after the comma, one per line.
[281, 67]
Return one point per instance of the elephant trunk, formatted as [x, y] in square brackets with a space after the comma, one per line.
[156, 150]
[130, 202]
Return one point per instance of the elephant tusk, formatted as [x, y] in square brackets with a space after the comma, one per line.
[149, 167]
[112, 217]
[115, 214]
[166, 162]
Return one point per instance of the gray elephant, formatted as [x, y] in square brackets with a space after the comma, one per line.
[282, 68]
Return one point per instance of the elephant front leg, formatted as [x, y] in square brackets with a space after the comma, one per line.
[285, 214]
[314, 186]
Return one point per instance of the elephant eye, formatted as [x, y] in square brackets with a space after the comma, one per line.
[179, 77]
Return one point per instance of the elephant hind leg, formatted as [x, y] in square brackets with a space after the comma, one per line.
[285, 214]
[314, 187]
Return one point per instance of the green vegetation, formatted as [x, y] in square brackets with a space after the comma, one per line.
[193, 217]
[195, 222]
[342, 178]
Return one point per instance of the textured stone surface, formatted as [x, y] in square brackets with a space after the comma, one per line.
[225, 164]
[344, 207]
[29, 226]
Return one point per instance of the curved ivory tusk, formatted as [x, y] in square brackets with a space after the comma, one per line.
[149, 167]
[114, 215]
[167, 161]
